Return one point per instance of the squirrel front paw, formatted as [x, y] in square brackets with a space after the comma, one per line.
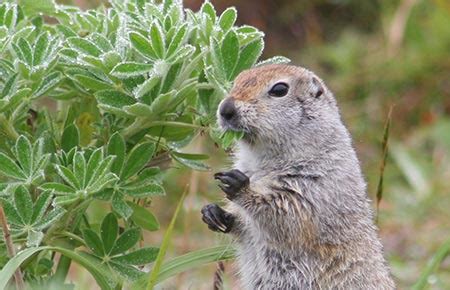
[233, 182]
[217, 219]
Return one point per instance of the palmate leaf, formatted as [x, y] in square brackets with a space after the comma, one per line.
[28, 217]
[29, 164]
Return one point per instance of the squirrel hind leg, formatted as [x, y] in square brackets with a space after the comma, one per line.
[217, 219]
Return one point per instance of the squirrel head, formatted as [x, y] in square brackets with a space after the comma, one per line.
[280, 106]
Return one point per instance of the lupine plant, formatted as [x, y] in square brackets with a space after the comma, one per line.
[90, 103]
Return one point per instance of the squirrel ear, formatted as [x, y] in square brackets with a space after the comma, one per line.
[317, 88]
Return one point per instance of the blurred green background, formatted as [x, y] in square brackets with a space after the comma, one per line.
[373, 55]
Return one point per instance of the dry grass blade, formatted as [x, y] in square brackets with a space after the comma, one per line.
[385, 148]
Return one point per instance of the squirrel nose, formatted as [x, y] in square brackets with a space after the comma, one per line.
[227, 109]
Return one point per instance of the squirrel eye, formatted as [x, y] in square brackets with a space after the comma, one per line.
[279, 90]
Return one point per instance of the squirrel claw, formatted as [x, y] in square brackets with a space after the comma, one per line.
[216, 218]
[233, 181]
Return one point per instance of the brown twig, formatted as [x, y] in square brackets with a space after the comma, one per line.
[10, 248]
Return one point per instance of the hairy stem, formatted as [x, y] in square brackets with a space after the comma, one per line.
[10, 248]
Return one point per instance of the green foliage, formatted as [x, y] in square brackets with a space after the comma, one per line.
[88, 102]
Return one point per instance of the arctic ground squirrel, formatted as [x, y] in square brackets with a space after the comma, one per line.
[297, 201]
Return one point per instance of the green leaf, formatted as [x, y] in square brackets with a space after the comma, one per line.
[109, 230]
[195, 259]
[152, 278]
[9, 168]
[79, 168]
[181, 54]
[177, 39]
[137, 158]
[95, 160]
[93, 242]
[41, 205]
[68, 176]
[92, 83]
[57, 188]
[49, 219]
[84, 46]
[24, 154]
[11, 212]
[48, 83]
[34, 7]
[191, 156]
[228, 18]
[26, 51]
[66, 199]
[161, 102]
[128, 272]
[116, 147]
[24, 204]
[230, 53]
[139, 109]
[274, 60]
[126, 240]
[209, 10]
[70, 138]
[15, 99]
[157, 39]
[143, 218]
[248, 56]
[143, 45]
[40, 48]
[66, 31]
[101, 41]
[131, 69]
[146, 175]
[114, 99]
[120, 206]
[147, 86]
[10, 86]
[194, 164]
[13, 264]
[139, 257]
[144, 190]
[105, 279]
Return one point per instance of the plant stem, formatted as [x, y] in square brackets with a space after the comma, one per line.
[10, 248]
